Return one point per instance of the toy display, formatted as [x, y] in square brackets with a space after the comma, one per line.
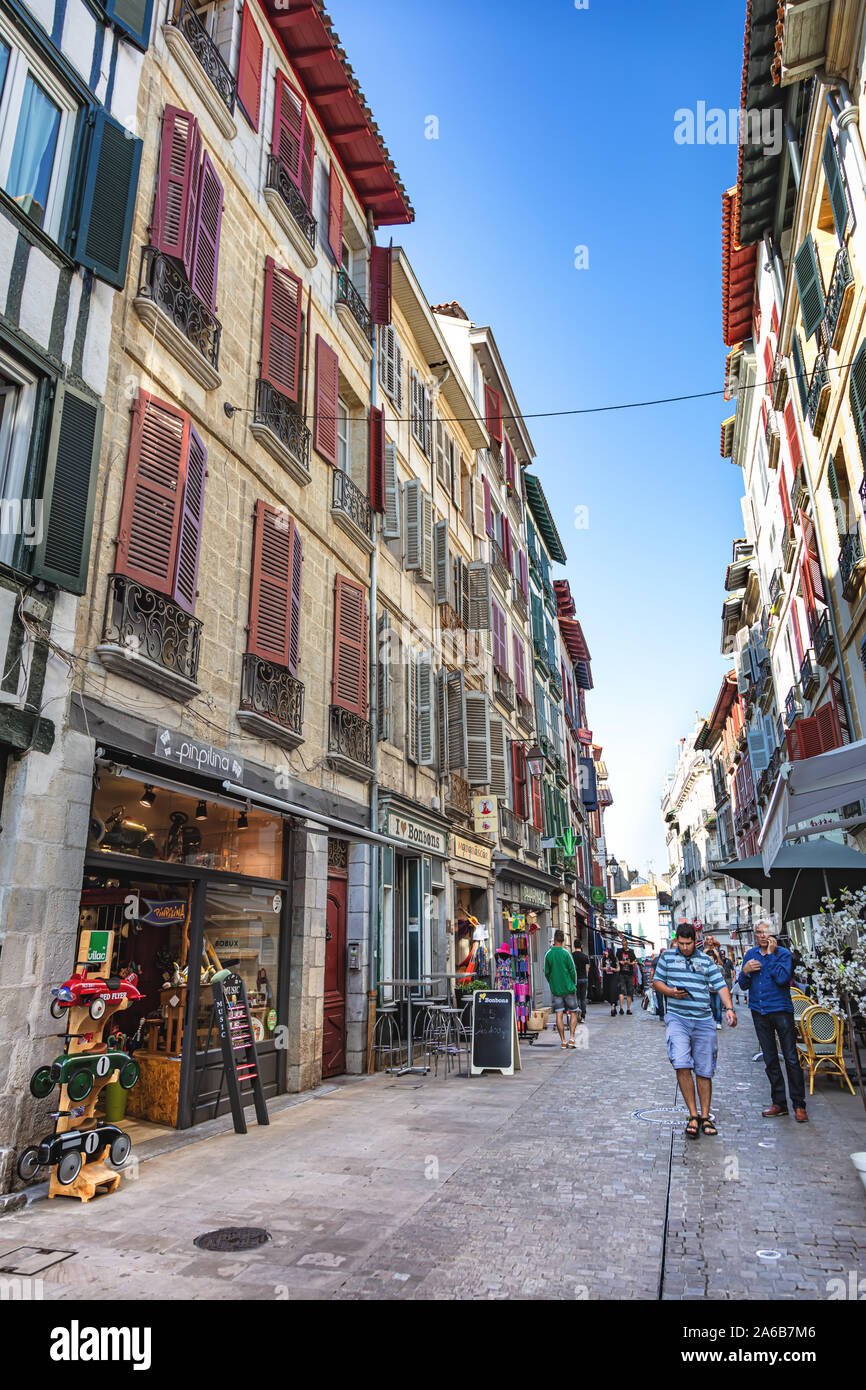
[68, 1152]
[94, 993]
[78, 1072]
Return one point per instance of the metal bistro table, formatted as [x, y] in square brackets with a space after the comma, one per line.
[423, 982]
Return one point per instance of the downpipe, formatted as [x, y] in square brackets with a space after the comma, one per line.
[374, 927]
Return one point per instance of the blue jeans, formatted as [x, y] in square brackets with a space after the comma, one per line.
[768, 1027]
[716, 1006]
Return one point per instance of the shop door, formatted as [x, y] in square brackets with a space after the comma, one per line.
[334, 1027]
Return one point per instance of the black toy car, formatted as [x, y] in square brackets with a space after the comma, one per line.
[69, 1150]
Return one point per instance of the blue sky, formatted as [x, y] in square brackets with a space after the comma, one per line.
[556, 130]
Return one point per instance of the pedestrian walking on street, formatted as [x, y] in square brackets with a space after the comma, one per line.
[766, 978]
[581, 967]
[711, 947]
[610, 977]
[561, 976]
[685, 976]
[627, 960]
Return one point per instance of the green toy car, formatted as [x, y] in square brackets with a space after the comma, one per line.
[79, 1072]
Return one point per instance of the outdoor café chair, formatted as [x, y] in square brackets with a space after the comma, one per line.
[821, 1048]
[802, 1005]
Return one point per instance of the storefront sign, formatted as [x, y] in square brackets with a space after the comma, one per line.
[97, 948]
[202, 757]
[486, 811]
[536, 896]
[584, 735]
[476, 854]
[419, 836]
[158, 912]
[598, 896]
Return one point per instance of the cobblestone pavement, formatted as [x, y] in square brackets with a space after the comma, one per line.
[541, 1185]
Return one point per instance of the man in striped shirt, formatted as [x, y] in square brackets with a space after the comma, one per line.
[686, 976]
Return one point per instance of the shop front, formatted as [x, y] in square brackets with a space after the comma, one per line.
[524, 895]
[472, 926]
[412, 901]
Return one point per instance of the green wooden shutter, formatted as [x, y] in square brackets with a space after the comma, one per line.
[133, 17]
[799, 365]
[71, 470]
[100, 240]
[809, 287]
[857, 397]
[835, 185]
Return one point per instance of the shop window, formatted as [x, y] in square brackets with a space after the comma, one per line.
[177, 829]
[242, 934]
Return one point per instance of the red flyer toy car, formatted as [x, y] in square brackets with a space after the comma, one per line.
[95, 993]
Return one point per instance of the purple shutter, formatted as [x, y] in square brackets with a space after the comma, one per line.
[488, 510]
[205, 258]
[506, 541]
[176, 185]
[189, 540]
[380, 284]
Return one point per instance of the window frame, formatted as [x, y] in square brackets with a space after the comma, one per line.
[24, 382]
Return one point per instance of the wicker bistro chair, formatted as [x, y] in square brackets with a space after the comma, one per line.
[821, 1048]
[802, 1005]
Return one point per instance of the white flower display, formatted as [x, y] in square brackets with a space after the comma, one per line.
[837, 963]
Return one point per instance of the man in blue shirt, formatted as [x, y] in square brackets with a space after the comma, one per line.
[766, 976]
[685, 977]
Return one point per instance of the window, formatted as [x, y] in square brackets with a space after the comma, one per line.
[37, 120]
[343, 453]
[17, 398]
[391, 366]
[421, 413]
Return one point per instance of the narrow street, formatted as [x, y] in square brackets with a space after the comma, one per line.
[543, 1185]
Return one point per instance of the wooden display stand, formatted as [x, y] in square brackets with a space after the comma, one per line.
[93, 1175]
[156, 1093]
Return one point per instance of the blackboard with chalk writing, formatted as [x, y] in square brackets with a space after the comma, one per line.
[494, 1032]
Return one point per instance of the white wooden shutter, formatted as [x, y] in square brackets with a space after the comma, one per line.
[478, 523]
[442, 559]
[412, 706]
[426, 746]
[412, 524]
[758, 754]
[391, 520]
[442, 718]
[383, 680]
[479, 596]
[426, 566]
[478, 738]
[458, 751]
[498, 759]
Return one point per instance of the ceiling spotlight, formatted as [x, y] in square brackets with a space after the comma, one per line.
[201, 811]
[148, 796]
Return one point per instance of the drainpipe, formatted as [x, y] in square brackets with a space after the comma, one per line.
[793, 152]
[374, 931]
[847, 118]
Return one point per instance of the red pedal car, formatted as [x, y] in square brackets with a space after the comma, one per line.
[94, 992]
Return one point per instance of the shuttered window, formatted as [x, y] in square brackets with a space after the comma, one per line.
[102, 224]
[537, 809]
[519, 666]
[391, 365]
[808, 737]
[500, 638]
[524, 574]
[488, 507]
[458, 747]
[292, 140]
[510, 477]
[425, 570]
[477, 738]
[335, 215]
[161, 513]
[442, 562]
[800, 372]
[69, 488]
[377, 459]
[384, 680]
[519, 778]
[792, 436]
[250, 69]
[391, 522]
[412, 493]
[810, 557]
[809, 287]
[281, 330]
[174, 213]
[835, 184]
[498, 758]
[275, 590]
[205, 256]
[327, 395]
[493, 413]
[350, 647]
[420, 414]
[783, 495]
[412, 706]
[857, 397]
[426, 688]
[479, 596]
[380, 284]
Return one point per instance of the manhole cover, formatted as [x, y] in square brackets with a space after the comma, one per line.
[31, 1259]
[664, 1115]
[232, 1238]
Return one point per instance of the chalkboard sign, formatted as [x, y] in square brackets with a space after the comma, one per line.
[494, 1032]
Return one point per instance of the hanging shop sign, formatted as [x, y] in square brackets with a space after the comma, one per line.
[475, 854]
[486, 812]
[184, 751]
[419, 836]
[536, 896]
[161, 913]
[598, 896]
[584, 735]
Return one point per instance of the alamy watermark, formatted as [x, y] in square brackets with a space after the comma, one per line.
[22, 518]
[715, 126]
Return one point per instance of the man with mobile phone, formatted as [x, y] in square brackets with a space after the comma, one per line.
[684, 977]
[766, 977]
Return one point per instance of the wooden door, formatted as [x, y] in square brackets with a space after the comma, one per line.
[334, 1029]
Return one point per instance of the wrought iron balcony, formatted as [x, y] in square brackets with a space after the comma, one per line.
[149, 638]
[539, 646]
[776, 586]
[272, 701]
[822, 637]
[819, 394]
[350, 741]
[533, 841]
[771, 438]
[503, 688]
[549, 596]
[348, 295]
[851, 563]
[555, 686]
[161, 282]
[799, 489]
[207, 53]
[291, 439]
[278, 179]
[780, 382]
[458, 797]
[351, 509]
[789, 546]
[498, 565]
[839, 297]
[518, 600]
[524, 714]
[810, 676]
[780, 731]
[510, 827]
[534, 561]
[793, 705]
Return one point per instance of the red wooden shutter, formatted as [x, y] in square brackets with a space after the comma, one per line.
[250, 69]
[768, 365]
[810, 546]
[295, 610]
[153, 493]
[272, 605]
[350, 647]
[808, 596]
[327, 391]
[537, 808]
[290, 123]
[377, 459]
[380, 284]
[795, 628]
[335, 215]
[493, 413]
[177, 185]
[791, 433]
[205, 259]
[764, 416]
[783, 493]
[518, 767]
[805, 738]
[281, 330]
[189, 538]
[308, 159]
[827, 723]
[506, 541]
[488, 509]
[509, 466]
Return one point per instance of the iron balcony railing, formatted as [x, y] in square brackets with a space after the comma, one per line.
[799, 489]
[350, 736]
[822, 636]
[534, 560]
[780, 382]
[271, 691]
[775, 585]
[161, 281]
[498, 565]
[518, 600]
[350, 500]
[459, 795]
[207, 53]
[793, 704]
[549, 595]
[555, 686]
[533, 841]
[503, 688]
[273, 410]
[278, 179]
[510, 827]
[348, 295]
[524, 713]
[150, 625]
[837, 296]
[819, 394]
[850, 557]
[539, 646]
[809, 674]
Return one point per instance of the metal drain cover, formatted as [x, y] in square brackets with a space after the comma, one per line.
[664, 1115]
[233, 1238]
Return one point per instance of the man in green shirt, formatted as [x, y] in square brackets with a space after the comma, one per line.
[561, 976]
